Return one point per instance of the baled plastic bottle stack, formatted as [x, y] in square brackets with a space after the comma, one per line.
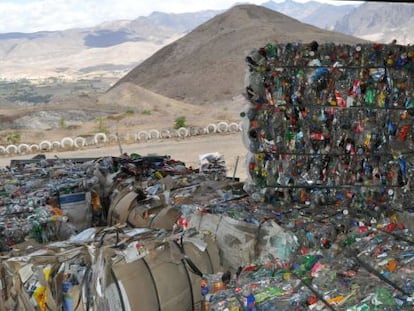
[66, 276]
[329, 132]
[49, 199]
[331, 124]
[25, 201]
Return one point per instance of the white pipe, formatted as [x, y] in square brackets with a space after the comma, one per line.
[165, 134]
[9, 147]
[79, 142]
[47, 143]
[113, 138]
[136, 138]
[99, 136]
[34, 146]
[67, 139]
[234, 127]
[195, 130]
[56, 144]
[222, 127]
[156, 132]
[143, 133]
[183, 132]
[211, 125]
[23, 148]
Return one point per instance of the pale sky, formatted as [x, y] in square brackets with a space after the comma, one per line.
[38, 15]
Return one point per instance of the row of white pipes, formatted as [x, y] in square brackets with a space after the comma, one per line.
[102, 138]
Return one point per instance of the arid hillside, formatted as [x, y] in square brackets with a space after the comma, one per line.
[200, 77]
[207, 65]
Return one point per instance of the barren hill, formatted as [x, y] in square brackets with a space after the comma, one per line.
[207, 65]
[156, 111]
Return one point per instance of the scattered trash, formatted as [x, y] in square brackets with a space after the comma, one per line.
[110, 268]
[213, 163]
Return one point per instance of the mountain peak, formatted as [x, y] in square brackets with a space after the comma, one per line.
[207, 65]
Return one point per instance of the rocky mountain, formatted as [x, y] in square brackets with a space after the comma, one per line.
[381, 22]
[107, 50]
[207, 65]
[184, 22]
[111, 49]
[312, 11]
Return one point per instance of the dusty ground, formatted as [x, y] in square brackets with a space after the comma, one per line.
[127, 111]
[186, 150]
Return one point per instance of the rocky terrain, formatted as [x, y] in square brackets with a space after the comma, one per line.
[207, 66]
[200, 76]
[380, 22]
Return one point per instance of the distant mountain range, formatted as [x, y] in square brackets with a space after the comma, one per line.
[160, 55]
[110, 50]
[107, 50]
[381, 22]
[319, 14]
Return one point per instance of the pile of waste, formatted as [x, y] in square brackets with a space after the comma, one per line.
[331, 123]
[100, 268]
[111, 268]
[333, 263]
[52, 199]
[219, 247]
[45, 200]
[324, 221]
[330, 137]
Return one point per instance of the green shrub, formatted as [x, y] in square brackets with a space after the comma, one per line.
[62, 122]
[14, 137]
[180, 122]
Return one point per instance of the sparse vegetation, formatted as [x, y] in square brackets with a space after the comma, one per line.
[101, 126]
[180, 122]
[115, 117]
[14, 137]
[33, 92]
[146, 112]
[62, 122]
[129, 111]
[29, 97]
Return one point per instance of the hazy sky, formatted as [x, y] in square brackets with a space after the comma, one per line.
[37, 15]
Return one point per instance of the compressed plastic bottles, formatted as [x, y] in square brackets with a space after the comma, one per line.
[327, 119]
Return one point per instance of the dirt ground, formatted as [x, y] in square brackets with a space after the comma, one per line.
[187, 150]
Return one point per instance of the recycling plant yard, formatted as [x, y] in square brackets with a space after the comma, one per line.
[322, 222]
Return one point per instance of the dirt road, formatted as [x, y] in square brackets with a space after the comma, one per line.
[186, 150]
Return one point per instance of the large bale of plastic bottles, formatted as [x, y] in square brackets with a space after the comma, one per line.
[330, 124]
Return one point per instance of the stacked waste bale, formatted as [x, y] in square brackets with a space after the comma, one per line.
[330, 125]
[368, 268]
[128, 269]
[43, 200]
